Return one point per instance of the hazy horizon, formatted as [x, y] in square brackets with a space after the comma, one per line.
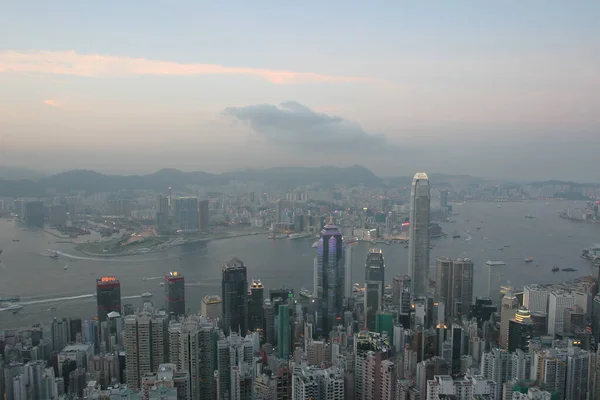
[505, 90]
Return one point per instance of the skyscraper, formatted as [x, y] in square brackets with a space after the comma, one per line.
[374, 278]
[520, 330]
[174, 294]
[510, 305]
[496, 277]
[330, 271]
[283, 332]
[462, 287]
[186, 213]
[144, 337]
[255, 305]
[108, 296]
[204, 215]
[162, 211]
[418, 230]
[234, 286]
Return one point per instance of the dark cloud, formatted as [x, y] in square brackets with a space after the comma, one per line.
[292, 123]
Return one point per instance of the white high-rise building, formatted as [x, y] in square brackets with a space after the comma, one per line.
[461, 389]
[418, 231]
[312, 383]
[144, 337]
[558, 301]
[496, 276]
[535, 298]
[497, 366]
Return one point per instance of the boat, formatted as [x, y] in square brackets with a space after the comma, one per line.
[351, 240]
[555, 269]
[278, 236]
[54, 256]
[9, 299]
[146, 295]
[300, 235]
[455, 235]
[66, 267]
[16, 240]
[529, 216]
[0, 251]
[569, 269]
[305, 293]
[468, 231]
[161, 284]
[15, 308]
[529, 259]
[501, 248]
[507, 245]
[478, 228]
[315, 244]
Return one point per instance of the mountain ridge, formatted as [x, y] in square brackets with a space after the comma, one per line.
[288, 177]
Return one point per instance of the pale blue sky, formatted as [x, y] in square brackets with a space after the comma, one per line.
[465, 76]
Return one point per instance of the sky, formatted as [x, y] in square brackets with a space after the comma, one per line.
[506, 89]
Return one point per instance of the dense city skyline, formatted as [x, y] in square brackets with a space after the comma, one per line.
[262, 93]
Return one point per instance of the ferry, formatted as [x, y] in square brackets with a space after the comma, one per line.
[146, 295]
[351, 240]
[529, 259]
[305, 293]
[15, 308]
[278, 236]
[298, 235]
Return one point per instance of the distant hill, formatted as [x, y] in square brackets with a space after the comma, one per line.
[286, 177]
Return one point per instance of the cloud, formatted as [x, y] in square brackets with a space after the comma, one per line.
[97, 65]
[292, 123]
[53, 103]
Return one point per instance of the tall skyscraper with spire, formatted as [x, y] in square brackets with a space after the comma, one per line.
[374, 286]
[418, 230]
[329, 277]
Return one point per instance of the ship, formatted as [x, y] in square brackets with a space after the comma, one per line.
[305, 293]
[278, 236]
[569, 269]
[15, 308]
[529, 259]
[299, 235]
[529, 216]
[9, 299]
[351, 240]
[555, 269]
[146, 295]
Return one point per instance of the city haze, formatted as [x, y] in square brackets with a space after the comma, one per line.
[503, 91]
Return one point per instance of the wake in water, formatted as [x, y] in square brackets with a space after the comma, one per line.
[64, 299]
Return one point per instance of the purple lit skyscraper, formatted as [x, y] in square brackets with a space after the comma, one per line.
[329, 278]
